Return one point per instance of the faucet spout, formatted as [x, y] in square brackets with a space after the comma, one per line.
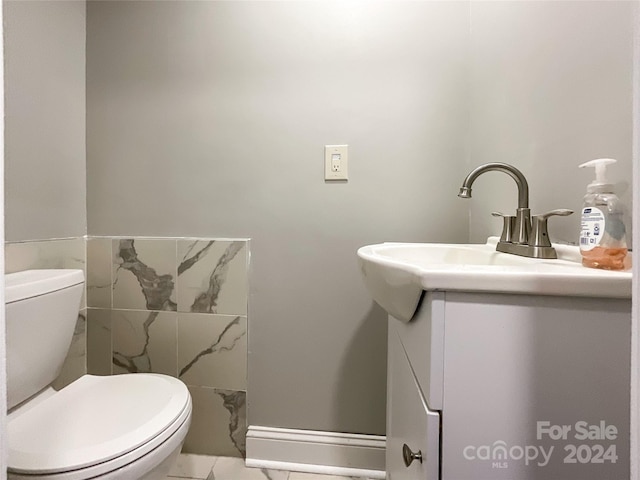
[517, 238]
[513, 172]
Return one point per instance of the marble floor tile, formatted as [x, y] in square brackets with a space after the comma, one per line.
[193, 466]
[317, 476]
[234, 469]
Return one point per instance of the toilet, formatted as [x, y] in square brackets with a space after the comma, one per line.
[127, 427]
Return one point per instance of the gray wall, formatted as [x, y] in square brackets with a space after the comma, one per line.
[209, 119]
[551, 87]
[45, 171]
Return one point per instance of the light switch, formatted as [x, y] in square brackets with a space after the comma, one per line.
[335, 162]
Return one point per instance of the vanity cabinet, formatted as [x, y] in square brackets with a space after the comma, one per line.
[510, 387]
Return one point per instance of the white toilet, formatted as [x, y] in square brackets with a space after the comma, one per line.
[127, 427]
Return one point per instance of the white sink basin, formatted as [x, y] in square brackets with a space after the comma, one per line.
[396, 273]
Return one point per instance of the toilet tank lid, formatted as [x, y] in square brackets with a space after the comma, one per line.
[31, 283]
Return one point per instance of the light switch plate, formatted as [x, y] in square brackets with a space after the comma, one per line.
[336, 162]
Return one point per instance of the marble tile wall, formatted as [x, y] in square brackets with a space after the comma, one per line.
[56, 253]
[177, 307]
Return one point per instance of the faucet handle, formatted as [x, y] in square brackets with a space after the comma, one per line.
[539, 233]
[508, 226]
[562, 212]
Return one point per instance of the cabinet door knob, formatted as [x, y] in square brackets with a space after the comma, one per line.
[408, 456]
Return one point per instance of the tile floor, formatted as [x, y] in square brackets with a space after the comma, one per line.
[225, 468]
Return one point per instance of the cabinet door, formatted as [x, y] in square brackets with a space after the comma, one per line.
[528, 364]
[409, 421]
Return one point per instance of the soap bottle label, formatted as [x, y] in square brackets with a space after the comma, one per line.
[592, 228]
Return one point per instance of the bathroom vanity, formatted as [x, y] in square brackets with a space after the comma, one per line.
[502, 367]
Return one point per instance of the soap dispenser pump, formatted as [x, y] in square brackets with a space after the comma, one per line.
[602, 230]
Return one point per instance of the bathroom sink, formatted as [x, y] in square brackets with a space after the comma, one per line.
[396, 274]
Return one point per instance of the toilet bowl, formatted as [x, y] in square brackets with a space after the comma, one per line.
[128, 427]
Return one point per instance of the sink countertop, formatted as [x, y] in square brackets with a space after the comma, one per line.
[397, 273]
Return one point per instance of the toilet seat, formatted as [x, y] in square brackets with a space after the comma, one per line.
[96, 425]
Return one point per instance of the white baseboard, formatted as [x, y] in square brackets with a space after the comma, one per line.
[351, 455]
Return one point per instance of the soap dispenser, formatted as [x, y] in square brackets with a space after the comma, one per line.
[602, 230]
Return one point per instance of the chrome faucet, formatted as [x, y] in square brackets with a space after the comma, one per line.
[521, 235]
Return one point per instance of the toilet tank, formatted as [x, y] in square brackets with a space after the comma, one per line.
[41, 314]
